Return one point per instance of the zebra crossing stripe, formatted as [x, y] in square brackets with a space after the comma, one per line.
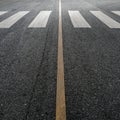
[116, 12]
[41, 20]
[7, 23]
[106, 19]
[2, 12]
[78, 20]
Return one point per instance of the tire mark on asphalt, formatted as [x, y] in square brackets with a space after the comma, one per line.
[36, 80]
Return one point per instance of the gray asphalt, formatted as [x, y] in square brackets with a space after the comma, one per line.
[92, 63]
[28, 63]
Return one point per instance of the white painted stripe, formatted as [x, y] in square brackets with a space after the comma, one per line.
[106, 19]
[7, 23]
[41, 20]
[2, 12]
[116, 12]
[78, 20]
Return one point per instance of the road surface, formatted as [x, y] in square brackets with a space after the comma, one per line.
[33, 35]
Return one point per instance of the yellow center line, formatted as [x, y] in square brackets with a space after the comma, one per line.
[60, 96]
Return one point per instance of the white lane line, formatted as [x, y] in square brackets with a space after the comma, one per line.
[116, 12]
[78, 20]
[41, 20]
[7, 23]
[106, 19]
[2, 12]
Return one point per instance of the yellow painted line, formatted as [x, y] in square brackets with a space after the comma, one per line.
[60, 96]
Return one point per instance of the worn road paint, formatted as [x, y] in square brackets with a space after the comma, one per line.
[60, 96]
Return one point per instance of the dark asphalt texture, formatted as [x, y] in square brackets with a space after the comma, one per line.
[28, 63]
[92, 63]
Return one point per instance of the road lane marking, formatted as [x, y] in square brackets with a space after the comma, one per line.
[2, 12]
[116, 12]
[41, 20]
[78, 20]
[60, 95]
[106, 19]
[7, 23]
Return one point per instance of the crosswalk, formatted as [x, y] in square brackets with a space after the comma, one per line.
[7, 23]
[3, 12]
[41, 20]
[116, 12]
[106, 19]
[77, 19]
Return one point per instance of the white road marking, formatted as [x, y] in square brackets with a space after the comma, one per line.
[78, 20]
[116, 12]
[2, 12]
[7, 23]
[41, 20]
[106, 19]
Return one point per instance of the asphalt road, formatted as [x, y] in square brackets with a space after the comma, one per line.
[28, 62]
